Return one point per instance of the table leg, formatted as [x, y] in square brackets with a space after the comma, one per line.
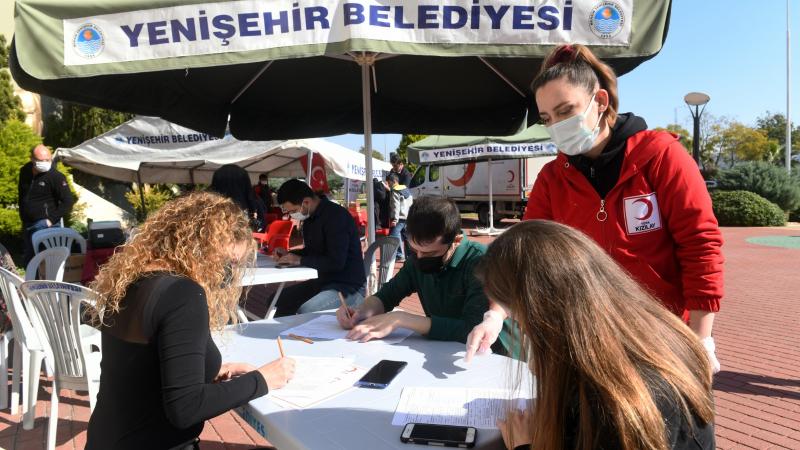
[271, 310]
[241, 313]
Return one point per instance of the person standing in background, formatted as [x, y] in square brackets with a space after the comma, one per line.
[43, 195]
[399, 167]
[263, 191]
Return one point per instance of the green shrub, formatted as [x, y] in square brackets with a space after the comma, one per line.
[11, 233]
[16, 142]
[154, 197]
[746, 209]
[771, 182]
[10, 225]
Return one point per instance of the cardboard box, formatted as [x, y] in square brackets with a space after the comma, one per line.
[73, 269]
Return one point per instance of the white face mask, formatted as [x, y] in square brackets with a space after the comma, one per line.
[42, 166]
[571, 135]
[299, 215]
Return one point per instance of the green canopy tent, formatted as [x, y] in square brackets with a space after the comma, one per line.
[283, 70]
[443, 150]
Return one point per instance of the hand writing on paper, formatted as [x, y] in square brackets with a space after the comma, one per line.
[232, 370]
[375, 327]
[347, 317]
[516, 429]
[278, 372]
[289, 259]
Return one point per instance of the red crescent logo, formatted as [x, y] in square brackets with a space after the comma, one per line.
[468, 173]
[511, 176]
[649, 205]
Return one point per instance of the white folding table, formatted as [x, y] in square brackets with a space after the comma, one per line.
[267, 272]
[359, 418]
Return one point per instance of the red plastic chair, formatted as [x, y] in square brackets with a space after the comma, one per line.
[278, 235]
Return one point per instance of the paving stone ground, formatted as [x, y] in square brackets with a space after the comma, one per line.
[757, 334]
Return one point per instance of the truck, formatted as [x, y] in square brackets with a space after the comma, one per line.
[467, 184]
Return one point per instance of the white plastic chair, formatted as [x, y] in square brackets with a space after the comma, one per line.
[388, 246]
[57, 237]
[54, 260]
[59, 306]
[29, 351]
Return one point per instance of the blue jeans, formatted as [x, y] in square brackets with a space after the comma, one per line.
[329, 299]
[309, 296]
[399, 231]
[28, 230]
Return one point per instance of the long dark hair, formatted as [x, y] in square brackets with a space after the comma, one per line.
[233, 182]
[594, 334]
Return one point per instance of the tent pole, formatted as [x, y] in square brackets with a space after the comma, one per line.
[491, 203]
[141, 195]
[308, 166]
[366, 61]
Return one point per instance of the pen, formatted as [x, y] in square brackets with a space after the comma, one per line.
[301, 338]
[344, 305]
[280, 347]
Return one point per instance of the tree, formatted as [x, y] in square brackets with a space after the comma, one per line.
[743, 143]
[375, 154]
[10, 104]
[683, 134]
[71, 124]
[402, 148]
[774, 126]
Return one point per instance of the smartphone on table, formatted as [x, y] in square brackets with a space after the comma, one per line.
[381, 374]
[439, 435]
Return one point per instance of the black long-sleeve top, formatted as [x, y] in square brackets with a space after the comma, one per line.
[332, 246]
[44, 195]
[158, 365]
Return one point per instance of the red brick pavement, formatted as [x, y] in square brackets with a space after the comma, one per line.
[758, 341]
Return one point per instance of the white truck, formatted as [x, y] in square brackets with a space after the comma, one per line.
[468, 185]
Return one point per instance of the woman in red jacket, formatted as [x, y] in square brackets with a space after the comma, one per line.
[636, 192]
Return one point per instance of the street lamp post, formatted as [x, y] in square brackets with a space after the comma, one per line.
[696, 99]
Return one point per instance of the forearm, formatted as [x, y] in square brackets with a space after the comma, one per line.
[413, 322]
[701, 322]
[372, 306]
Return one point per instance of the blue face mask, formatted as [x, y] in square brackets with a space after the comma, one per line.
[571, 135]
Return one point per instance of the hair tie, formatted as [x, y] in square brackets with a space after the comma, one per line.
[563, 54]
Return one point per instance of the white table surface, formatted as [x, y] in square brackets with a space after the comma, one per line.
[359, 418]
[267, 272]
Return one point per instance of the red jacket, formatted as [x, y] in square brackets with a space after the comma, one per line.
[659, 224]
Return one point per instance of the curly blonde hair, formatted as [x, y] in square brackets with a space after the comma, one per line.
[189, 236]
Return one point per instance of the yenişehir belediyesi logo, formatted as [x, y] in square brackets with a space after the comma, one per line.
[89, 41]
[606, 20]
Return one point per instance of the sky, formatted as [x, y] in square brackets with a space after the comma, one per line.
[733, 50]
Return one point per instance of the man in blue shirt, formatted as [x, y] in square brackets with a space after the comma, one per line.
[330, 244]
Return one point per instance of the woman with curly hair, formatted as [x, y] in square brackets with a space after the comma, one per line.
[160, 297]
[614, 368]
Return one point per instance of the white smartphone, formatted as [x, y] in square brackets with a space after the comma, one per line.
[439, 435]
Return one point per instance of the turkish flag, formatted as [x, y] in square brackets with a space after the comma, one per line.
[319, 179]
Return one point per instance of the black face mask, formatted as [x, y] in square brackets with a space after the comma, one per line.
[431, 264]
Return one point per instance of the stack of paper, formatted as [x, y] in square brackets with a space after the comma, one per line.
[327, 327]
[466, 407]
[317, 380]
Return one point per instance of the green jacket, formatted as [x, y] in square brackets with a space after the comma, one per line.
[453, 299]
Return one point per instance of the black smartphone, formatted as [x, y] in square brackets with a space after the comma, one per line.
[381, 374]
[438, 435]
